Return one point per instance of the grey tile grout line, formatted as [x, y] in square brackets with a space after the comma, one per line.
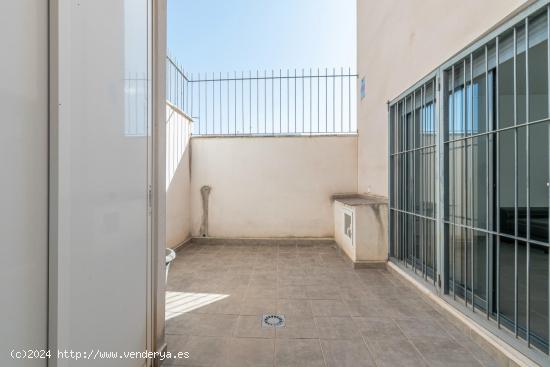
[411, 342]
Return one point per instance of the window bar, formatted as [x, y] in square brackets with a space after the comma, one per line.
[235, 103]
[272, 101]
[206, 104]
[422, 129]
[213, 104]
[333, 100]
[471, 196]
[221, 101]
[349, 100]
[265, 101]
[295, 80]
[497, 179]
[547, 178]
[318, 95]
[342, 102]
[310, 102]
[434, 182]
[249, 102]
[528, 206]
[488, 191]
[192, 95]
[326, 100]
[303, 104]
[199, 100]
[228, 114]
[413, 180]
[464, 197]
[258, 101]
[452, 228]
[403, 206]
[515, 188]
[287, 101]
[242, 101]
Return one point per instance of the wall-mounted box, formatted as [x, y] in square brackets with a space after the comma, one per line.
[361, 227]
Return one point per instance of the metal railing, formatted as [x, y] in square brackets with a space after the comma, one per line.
[321, 102]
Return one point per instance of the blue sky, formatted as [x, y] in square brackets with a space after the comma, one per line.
[236, 35]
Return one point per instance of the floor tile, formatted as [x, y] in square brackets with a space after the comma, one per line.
[248, 352]
[337, 328]
[395, 352]
[298, 353]
[329, 307]
[346, 353]
[251, 327]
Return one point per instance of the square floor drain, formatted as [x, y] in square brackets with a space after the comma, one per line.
[271, 320]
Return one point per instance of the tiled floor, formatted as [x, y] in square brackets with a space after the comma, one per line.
[335, 316]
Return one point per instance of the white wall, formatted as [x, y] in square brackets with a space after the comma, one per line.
[99, 154]
[398, 43]
[24, 183]
[178, 177]
[271, 186]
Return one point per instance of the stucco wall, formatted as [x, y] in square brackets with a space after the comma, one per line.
[178, 177]
[399, 42]
[271, 186]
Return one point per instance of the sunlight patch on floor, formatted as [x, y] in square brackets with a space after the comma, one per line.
[178, 303]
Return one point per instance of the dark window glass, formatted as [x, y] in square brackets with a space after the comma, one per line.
[538, 68]
[506, 281]
[522, 182]
[506, 80]
[538, 181]
[521, 73]
[479, 178]
[506, 182]
[480, 262]
[538, 296]
[479, 123]
[459, 261]
[522, 288]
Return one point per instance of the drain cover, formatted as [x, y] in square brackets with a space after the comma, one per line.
[271, 320]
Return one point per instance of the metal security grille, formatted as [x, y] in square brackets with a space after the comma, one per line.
[290, 102]
[413, 180]
[482, 163]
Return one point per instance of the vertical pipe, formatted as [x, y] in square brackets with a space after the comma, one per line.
[318, 88]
